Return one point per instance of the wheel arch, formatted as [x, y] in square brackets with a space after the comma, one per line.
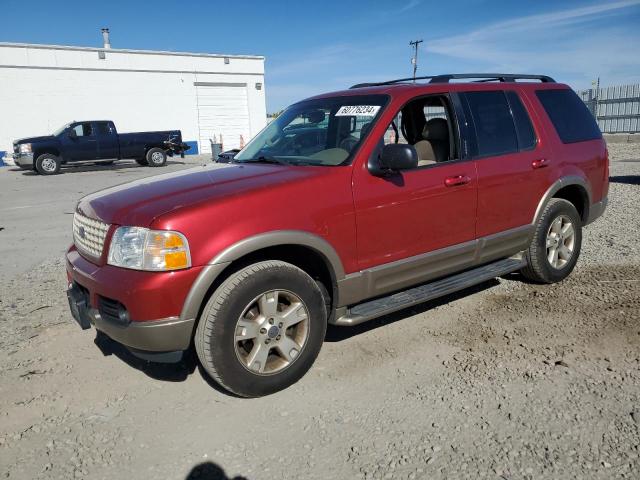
[305, 250]
[574, 189]
[148, 147]
[47, 150]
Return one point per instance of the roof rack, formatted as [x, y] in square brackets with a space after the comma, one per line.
[480, 78]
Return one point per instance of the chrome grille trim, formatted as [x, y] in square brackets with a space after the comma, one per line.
[94, 235]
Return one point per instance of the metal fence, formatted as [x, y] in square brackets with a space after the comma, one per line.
[617, 109]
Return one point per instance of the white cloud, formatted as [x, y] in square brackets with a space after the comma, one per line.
[572, 44]
[409, 5]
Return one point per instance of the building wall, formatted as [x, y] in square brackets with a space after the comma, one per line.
[44, 87]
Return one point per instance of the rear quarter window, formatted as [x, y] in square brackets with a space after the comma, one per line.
[569, 115]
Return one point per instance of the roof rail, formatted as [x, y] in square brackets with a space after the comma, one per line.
[389, 82]
[488, 77]
[481, 77]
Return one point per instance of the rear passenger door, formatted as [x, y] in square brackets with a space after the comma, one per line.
[510, 163]
[108, 146]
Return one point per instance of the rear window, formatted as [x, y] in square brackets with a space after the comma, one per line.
[569, 115]
[495, 131]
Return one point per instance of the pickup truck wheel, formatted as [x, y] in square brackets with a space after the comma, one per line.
[156, 157]
[556, 243]
[47, 164]
[262, 329]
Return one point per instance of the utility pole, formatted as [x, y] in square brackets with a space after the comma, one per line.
[414, 59]
[596, 94]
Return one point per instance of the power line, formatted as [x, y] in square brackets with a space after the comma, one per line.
[414, 60]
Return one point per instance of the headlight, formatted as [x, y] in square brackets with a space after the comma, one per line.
[143, 249]
[25, 148]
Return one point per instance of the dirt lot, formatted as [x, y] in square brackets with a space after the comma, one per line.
[506, 381]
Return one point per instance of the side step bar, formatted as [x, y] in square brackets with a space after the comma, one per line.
[378, 307]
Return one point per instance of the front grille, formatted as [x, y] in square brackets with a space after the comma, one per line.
[89, 235]
[16, 148]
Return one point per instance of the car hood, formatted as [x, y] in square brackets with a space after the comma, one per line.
[139, 202]
[34, 139]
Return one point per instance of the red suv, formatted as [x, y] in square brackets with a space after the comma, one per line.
[348, 206]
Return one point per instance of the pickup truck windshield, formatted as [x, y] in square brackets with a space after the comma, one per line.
[61, 129]
[325, 132]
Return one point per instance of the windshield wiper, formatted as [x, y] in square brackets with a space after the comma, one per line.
[264, 159]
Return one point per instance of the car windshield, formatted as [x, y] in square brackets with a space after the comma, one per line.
[61, 129]
[324, 132]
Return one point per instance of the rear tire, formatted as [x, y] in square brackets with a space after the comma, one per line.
[556, 243]
[156, 157]
[262, 329]
[47, 164]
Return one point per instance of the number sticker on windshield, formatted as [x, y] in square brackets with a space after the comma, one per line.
[358, 110]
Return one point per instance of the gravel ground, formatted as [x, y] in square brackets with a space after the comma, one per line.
[505, 381]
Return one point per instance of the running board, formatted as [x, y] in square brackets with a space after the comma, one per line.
[371, 309]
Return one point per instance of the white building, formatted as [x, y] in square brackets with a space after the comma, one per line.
[42, 87]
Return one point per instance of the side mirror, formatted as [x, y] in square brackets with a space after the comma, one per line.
[396, 157]
[72, 134]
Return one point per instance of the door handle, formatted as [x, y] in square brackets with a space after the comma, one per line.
[540, 163]
[457, 180]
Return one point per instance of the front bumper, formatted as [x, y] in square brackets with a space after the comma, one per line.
[140, 310]
[165, 335]
[23, 160]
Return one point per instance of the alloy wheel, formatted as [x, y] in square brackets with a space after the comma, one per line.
[271, 332]
[560, 242]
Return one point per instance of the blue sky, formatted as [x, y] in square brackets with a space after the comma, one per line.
[319, 46]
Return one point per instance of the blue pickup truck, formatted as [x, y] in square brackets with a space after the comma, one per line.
[95, 141]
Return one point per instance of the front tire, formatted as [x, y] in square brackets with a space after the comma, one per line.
[556, 243]
[156, 157]
[262, 329]
[47, 164]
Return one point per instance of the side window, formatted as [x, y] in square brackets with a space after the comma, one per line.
[524, 128]
[495, 131]
[83, 129]
[103, 128]
[569, 115]
[427, 124]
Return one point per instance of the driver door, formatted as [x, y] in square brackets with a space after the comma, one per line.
[417, 224]
[82, 144]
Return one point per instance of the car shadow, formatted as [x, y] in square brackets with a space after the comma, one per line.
[339, 333]
[180, 371]
[169, 372]
[210, 471]
[120, 165]
[626, 179]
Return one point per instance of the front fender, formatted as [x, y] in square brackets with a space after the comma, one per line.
[217, 265]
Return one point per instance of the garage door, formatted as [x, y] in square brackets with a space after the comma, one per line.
[222, 109]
